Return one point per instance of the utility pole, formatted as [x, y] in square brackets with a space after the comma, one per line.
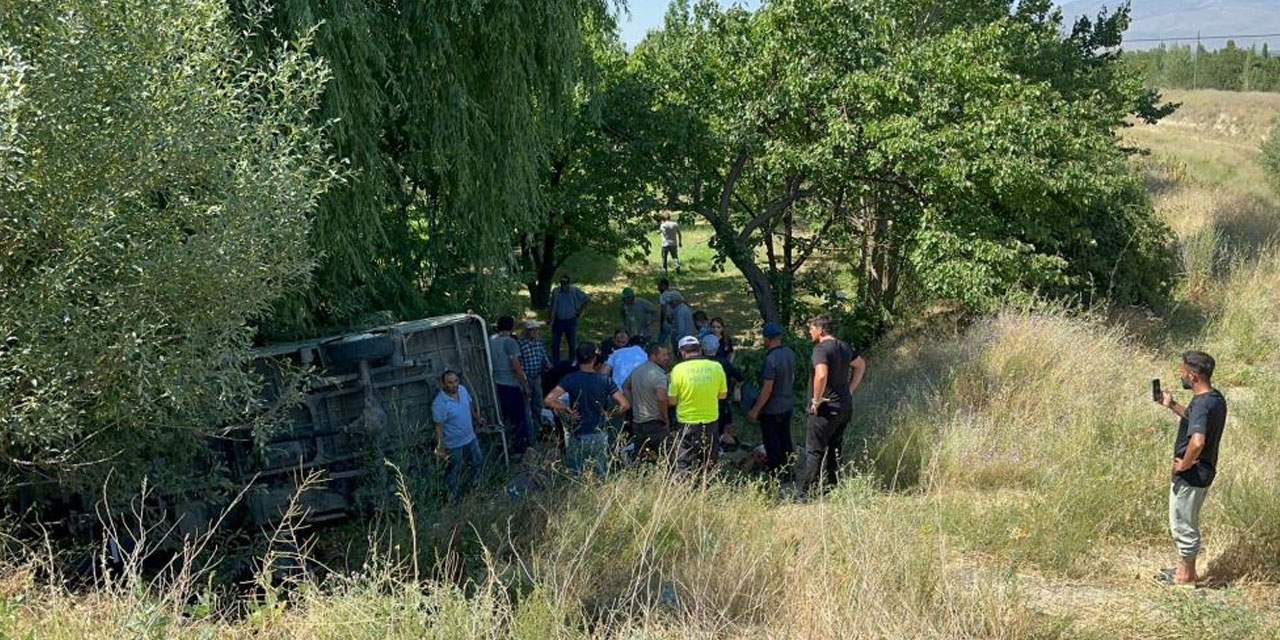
[1195, 64]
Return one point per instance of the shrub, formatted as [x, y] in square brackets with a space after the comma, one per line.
[156, 183]
[1271, 156]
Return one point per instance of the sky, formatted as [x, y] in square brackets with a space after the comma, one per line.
[646, 15]
[643, 15]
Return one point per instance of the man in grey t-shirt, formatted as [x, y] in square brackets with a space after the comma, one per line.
[647, 388]
[777, 398]
[510, 383]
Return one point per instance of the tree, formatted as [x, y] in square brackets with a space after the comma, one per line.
[599, 186]
[155, 185]
[445, 112]
[957, 148]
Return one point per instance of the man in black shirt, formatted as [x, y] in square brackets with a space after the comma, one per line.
[837, 372]
[1195, 457]
[777, 398]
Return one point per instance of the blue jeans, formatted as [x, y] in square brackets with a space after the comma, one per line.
[456, 481]
[590, 449]
[567, 328]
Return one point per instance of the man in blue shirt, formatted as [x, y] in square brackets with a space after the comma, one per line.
[589, 393]
[567, 304]
[455, 413]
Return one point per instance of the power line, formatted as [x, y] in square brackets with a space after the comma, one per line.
[1189, 38]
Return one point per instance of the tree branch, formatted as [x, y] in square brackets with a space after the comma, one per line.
[730, 182]
[897, 182]
[794, 193]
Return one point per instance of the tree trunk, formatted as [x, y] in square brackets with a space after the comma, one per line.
[544, 271]
[743, 258]
[761, 289]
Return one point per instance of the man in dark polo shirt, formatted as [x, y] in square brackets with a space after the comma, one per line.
[1195, 458]
[589, 394]
[837, 372]
[777, 401]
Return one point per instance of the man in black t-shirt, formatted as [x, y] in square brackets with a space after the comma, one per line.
[1195, 458]
[837, 372]
[777, 400]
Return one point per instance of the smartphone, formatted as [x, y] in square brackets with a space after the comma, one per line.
[1155, 390]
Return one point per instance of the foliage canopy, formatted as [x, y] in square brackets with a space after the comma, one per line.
[155, 184]
[962, 151]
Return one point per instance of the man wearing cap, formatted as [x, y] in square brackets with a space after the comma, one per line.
[696, 388]
[777, 401]
[589, 392]
[681, 318]
[533, 356]
[637, 314]
[567, 304]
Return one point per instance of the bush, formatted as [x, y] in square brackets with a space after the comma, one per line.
[1271, 156]
[155, 186]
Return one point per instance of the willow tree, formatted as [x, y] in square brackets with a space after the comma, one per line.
[444, 112]
[961, 149]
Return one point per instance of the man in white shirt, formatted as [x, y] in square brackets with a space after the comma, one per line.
[669, 231]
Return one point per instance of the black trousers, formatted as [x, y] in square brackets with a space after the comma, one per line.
[824, 440]
[775, 431]
[698, 445]
[651, 439]
[515, 413]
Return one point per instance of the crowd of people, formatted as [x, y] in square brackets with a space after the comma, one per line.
[660, 389]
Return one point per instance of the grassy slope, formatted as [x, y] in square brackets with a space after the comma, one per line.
[1017, 491]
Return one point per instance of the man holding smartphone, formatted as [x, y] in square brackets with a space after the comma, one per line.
[1195, 458]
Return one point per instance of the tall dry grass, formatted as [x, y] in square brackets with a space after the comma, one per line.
[1012, 476]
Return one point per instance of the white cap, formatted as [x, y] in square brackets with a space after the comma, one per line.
[689, 341]
[533, 324]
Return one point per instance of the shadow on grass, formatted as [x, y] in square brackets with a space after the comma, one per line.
[1240, 562]
[1240, 230]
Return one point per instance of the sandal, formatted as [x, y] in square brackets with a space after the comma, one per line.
[1165, 578]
